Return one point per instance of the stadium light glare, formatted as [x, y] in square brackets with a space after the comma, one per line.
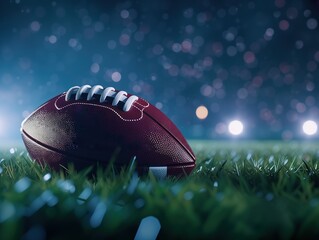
[235, 127]
[310, 127]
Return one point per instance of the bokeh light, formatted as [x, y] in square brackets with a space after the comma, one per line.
[116, 76]
[310, 127]
[202, 112]
[235, 127]
[201, 60]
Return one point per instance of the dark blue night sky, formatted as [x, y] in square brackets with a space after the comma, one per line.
[256, 61]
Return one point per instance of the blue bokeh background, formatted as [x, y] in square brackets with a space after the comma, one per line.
[252, 60]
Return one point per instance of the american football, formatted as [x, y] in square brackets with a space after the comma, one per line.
[93, 125]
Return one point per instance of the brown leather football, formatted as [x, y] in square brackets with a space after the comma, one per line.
[95, 126]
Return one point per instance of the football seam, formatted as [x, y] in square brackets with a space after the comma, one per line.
[129, 120]
[92, 159]
[171, 134]
[106, 107]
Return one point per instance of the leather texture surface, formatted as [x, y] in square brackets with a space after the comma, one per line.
[84, 131]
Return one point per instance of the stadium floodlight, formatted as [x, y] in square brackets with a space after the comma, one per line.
[235, 127]
[310, 127]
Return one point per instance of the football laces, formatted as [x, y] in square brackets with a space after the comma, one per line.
[104, 93]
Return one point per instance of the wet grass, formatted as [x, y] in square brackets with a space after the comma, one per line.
[239, 190]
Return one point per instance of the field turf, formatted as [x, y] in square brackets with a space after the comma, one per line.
[239, 190]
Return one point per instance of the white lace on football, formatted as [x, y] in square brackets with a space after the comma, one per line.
[120, 96]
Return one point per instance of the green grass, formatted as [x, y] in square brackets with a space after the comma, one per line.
[239, 190]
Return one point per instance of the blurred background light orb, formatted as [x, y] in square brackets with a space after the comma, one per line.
[310, 127]
[235, 127]
[201, 112]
